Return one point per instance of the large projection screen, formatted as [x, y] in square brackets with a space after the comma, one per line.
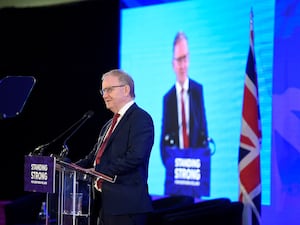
[218, 35]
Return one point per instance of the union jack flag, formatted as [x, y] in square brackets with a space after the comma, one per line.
[250, 142]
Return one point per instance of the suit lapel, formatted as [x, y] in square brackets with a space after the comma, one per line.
[121, 123]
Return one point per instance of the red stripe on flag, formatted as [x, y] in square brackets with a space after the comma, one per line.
[249, 176]
[246, 140]
[250, 111]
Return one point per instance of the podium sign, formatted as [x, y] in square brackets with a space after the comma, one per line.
[39, 174]
[188, 172]
[68, 188]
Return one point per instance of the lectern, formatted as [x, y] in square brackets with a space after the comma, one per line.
[67, 185]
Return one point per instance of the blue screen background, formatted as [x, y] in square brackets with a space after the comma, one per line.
[218, 34]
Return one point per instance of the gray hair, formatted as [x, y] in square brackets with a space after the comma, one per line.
[180, 35]
[123, 77]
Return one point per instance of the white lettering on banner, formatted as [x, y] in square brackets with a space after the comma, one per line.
[187, 182]
[188, 163]
[39, 173]
[187, 174]
[187, 171]
[39, 167]
[35, 175]
[38, 182]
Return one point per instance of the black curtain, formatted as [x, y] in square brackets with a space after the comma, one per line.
[66, 48]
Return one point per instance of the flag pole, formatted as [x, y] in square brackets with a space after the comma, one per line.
[250, 142]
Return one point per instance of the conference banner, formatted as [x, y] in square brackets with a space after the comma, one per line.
[39, 174]
[188, 171]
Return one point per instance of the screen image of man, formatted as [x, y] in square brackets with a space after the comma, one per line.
[184, 125]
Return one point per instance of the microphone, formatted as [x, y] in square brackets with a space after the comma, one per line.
[65, 150]
[40, 149]
[88, 114]
[212, 142]
[169, 139]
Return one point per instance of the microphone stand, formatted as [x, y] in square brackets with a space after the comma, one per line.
[40, 149]
[65, 150]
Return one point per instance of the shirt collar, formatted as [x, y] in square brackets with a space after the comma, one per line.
[123, 110]
[185, 86]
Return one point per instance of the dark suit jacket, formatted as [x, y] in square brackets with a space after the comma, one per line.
[127, 156]
[170, 127]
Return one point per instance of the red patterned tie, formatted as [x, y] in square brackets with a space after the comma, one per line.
[184, 129]
[102, 146]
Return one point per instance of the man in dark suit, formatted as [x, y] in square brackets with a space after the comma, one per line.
[184, 119]
[126, 155]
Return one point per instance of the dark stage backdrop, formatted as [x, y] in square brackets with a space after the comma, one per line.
[66, 48]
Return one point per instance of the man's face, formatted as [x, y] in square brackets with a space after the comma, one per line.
[181, 60]
[114, 93]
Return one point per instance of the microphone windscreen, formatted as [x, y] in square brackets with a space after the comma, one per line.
[89, 114]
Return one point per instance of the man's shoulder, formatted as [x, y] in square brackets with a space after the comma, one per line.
[170, 92]
[194, 83]
[135, 109]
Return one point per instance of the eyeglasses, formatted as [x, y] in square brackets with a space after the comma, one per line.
[180, 59]
[108, 90]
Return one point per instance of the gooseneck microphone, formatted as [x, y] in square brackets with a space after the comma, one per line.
[40, 149]
[65, 150]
